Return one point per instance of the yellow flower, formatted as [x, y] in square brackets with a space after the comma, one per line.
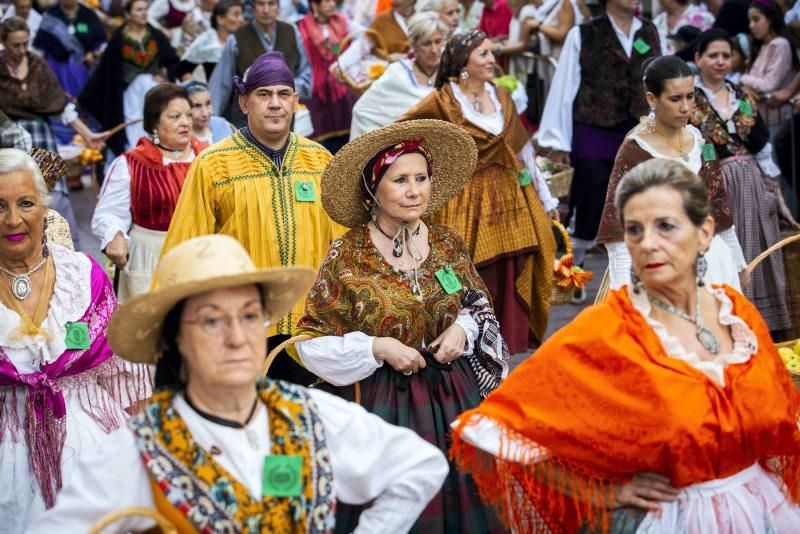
[376, 70]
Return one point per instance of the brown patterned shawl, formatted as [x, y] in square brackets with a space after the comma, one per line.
[629, 156]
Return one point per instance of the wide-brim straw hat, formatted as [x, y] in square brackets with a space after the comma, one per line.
[193, 267]
[453, 157]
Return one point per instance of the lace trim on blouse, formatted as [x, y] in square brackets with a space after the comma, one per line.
[71, 297]
[745, 343]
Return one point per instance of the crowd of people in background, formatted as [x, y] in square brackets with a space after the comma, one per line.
[304, 201]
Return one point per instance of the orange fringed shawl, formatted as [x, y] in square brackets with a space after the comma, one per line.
[601, 400]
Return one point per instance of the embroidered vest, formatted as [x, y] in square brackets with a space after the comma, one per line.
[192, 489]
[611, 90]
[155, 187]
[250, 46]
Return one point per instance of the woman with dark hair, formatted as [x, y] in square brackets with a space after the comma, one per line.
[142, 187]
[736, 134]
[136, 57]
[502, 214]
[666, 134]
[665, 408]
[676, 14]
[207, 47]
[331, 102]
[219, 448]
[771, 56]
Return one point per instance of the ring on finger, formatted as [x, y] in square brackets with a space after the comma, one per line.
[408, 372]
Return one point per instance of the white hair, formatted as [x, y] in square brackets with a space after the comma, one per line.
[14, 159]
[424, 24]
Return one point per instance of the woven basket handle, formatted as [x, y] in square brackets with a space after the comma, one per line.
[764, 255]
[564, 235]
[277, 350]
[291, 341]
[109, 519]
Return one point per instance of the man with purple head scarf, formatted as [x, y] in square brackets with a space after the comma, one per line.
[265, 34]
[261, 186]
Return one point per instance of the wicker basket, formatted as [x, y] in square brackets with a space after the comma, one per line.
[378, 53]
[561, 180]
[793, 310]
[562, 295]
[162, 524]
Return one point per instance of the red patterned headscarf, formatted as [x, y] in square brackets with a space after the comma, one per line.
[376, 167]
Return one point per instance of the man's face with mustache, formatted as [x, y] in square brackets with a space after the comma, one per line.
[269, 110]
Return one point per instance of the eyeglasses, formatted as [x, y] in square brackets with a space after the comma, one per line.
[219, 324]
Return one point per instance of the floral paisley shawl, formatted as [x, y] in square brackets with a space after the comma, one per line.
[751, 133]
[210, 498]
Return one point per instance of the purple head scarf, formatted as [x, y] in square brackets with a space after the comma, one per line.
[268, 69]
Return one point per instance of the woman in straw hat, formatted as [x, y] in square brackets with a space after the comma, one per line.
[398, 312]
[502, 213]
[217, 450]
[61, 387]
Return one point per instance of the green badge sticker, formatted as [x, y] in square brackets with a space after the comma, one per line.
[305, 192]
[449, 280]
[640, 46]
[336, 48]
[709, 153]
[82, 27]
[524, 177]
[283, 476]
[77, 336]
[745, 107]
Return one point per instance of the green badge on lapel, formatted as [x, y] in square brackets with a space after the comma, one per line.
[524, 177]
[77, 337]
[449, 280]
[82, 27]
[745, 107]
[709, 153]
[640, 46]
[283, 476]
[304, 191]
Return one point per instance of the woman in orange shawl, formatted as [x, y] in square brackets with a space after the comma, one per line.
[665, 408]
[502, 214]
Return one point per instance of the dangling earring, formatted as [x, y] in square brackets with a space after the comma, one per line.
[156, 140]
[636, 282]
[374, 214]
[700, 268]
[464, 75]
[651, 120]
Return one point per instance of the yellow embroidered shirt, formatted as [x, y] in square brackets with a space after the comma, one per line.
[276, 214]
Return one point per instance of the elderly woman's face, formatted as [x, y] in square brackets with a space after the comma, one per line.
[222, 337]
[429, 51]
[661, 238]
[174, 126]
[201, 109]
[481, 62]
[405, 189]
[22, 215]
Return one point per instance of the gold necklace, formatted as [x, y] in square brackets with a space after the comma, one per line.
[679, 148]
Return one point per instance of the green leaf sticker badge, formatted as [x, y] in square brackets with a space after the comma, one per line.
[283, 476]
[77, 337]
[640, 46]
[449, 280]
[745, 107]
[709, 153]
[82, 27]
[524, 177]
[304, 191]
